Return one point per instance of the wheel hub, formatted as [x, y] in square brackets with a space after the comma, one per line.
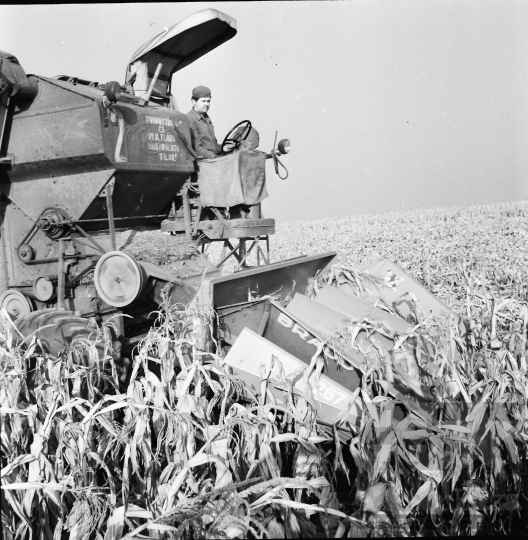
[54, 223]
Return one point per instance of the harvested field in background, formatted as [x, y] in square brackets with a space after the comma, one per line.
[433, 246]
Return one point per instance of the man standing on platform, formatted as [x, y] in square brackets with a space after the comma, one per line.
[201, 126]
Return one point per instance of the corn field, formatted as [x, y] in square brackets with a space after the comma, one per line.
[171, 444]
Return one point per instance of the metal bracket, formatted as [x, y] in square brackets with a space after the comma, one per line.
[109, 190]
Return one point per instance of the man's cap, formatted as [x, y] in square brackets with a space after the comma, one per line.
[201, 92]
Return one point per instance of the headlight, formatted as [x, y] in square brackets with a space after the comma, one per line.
[112, 91]
[284, 146]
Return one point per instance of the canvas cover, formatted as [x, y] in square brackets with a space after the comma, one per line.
[238, 178]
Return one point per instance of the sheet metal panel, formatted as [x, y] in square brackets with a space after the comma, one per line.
[252, 351]
[281, 279]
[73, 191]
[293, 335]
[357, 309]
[325, 320]
[398, 284]
[147, 138]
[134, 195]
[57, 125]
[287, 329]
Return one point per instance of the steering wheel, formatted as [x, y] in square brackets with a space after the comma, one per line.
[232, 142]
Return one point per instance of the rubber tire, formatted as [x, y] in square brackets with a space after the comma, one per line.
[66, 327]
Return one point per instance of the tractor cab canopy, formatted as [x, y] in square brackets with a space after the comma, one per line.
[177, 47]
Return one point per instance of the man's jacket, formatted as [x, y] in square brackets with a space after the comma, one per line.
[204, 136]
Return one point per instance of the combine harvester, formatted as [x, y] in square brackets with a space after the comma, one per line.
[81, 161]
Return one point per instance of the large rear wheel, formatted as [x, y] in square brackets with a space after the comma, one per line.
[58, 330]
[66, 326]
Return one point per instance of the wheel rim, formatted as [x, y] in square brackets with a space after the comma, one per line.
[118, 278]
[16, 304]
[43, 288]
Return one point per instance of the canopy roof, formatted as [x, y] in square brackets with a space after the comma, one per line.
[182, 44]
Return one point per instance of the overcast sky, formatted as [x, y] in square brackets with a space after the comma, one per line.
[388, 104]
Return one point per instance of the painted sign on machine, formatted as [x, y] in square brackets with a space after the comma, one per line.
[251, 351]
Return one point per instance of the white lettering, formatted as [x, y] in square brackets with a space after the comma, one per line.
[167, 137]
[328, 394]
[157, 121]
[168, 157]
[299, 330]
[284, 320]
[340, 397]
